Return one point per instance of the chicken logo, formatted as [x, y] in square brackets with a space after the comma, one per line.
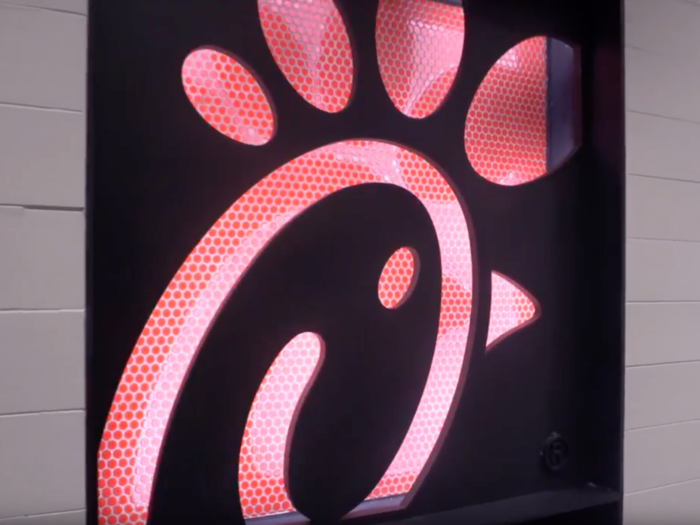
[419, 48]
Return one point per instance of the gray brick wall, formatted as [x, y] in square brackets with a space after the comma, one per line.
[662, 463]
[42, 181]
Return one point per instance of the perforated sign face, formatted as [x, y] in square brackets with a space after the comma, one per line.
[339, 284]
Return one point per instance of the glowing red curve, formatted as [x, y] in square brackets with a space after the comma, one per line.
[173, 333]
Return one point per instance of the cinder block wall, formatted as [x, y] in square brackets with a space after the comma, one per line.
[42, 195]
[662, 440]
[42, 177]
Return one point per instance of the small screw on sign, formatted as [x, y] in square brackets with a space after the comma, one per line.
[555, 453]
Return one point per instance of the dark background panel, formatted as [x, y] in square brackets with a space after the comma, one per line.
[159, 177]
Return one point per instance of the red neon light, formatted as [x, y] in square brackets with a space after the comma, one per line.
[419, 48]
[397, 278]
[228, 97]
[261, 473]
[311, 47]
[505, 136]
[512, 308]
[233, 102]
